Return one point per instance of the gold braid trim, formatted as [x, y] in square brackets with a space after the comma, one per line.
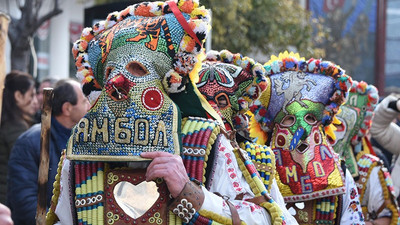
[51, 217]
[258, 187]
[217, 219]
[389, 198]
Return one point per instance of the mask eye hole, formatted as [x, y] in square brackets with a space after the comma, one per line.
[222, 102]
[108, 72]
[136, 69]
[310, 119]
[288, 121]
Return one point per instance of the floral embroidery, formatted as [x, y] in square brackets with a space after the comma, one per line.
[231, 169]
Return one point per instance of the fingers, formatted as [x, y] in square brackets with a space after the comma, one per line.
[152, 155]
[170, 172]
[169, 167]
[166, 167]
[174, 177]
[5, 215]
[159, 171]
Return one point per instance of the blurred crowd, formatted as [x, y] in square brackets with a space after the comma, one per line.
[20, 138]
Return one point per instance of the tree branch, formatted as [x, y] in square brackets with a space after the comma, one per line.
[19, 5]
[13, 30]
[36, 8]
[45, 18]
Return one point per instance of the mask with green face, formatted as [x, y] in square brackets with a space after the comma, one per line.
[302, 101]
[355, 117]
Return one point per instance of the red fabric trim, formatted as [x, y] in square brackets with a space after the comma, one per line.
[371, 149]
[182, 21]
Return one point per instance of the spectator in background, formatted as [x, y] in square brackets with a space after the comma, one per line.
[46, 83]
[69, 106]
[19, 105]
[386, 132]
[387, 156]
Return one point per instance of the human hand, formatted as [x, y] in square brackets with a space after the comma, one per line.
[5, 215]
[169, 167]
[379, 221]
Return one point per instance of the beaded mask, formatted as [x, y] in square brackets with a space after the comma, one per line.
[127, 64]
[356, 118]
[229, 82]
[303, 98]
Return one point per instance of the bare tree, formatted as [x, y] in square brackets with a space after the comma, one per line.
[21, 31]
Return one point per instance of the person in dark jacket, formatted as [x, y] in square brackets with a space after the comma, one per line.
[69, 106]
[19, 106]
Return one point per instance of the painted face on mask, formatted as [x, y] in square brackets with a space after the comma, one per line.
[300, 104]
[304, 158]
[133, 64]
[355, 117]
[219, 82]
[299, 131]
[230, 82]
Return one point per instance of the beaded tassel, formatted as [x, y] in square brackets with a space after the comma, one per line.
[95, 191]
[325, 210]
[263, 159]
[89, 185]
[199, 136]
[196, 146]
[78, 190]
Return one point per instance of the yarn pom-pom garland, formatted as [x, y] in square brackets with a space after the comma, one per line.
[194, 20]
[317, 71]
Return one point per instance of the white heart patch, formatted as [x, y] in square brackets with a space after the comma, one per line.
[135, 200]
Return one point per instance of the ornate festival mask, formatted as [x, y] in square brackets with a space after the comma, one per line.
[356, 118]
[128, 63]
[301, 102]
[230, 82]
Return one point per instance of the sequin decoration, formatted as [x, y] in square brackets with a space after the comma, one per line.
[230, 83]
[152, 98]
[307, 175]
[127, 64]
[303, 99]
[356, 118]
[295, 79]
[153, 25]
[123, 129]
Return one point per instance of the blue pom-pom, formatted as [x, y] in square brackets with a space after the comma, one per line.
[290, 64]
